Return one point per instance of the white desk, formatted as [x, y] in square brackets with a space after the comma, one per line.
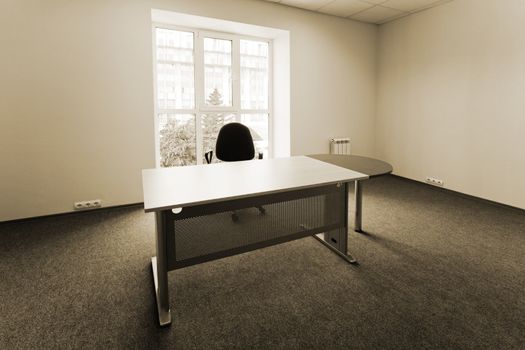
[301, 196]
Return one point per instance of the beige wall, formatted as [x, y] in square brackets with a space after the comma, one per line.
[76, 93]
[451, 105]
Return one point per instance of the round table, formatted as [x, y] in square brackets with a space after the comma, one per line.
[365, 165]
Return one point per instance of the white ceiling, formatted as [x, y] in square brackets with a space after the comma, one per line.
[370, 11]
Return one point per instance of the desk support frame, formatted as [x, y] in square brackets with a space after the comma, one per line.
[358, 221]
[335, 237]
[159, 265]
[365, 165]
[341, 244]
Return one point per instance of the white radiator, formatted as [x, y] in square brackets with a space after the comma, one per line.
[340, 145]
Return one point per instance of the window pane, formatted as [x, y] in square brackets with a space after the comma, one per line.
[218, 72]
[211, 124]
[177, 139]
[258, 124]
[254, 74]
[175, 69]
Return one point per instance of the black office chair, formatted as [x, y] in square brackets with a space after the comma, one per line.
[234, 143]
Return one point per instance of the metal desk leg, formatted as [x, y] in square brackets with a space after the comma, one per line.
[338, 241]
[159, 265]
[321, 237]
[358, 207]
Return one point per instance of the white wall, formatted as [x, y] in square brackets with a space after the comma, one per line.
[451, 103]
[76, 93]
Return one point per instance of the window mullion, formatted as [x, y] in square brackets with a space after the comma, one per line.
[199, 71]
[270, 100]
[198, 136]
[236, 77]
[199, 94]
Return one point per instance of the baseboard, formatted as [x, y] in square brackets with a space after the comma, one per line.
[79, 212]
[461, 194]
[141, 204]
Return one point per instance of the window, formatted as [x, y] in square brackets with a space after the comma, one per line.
[203, 81]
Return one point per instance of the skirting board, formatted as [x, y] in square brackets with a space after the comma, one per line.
[446, 190]
[69, 213]
[461, 194]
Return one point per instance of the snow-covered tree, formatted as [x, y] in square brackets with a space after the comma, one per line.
[215, 98]
[177, 144]
[212, 122]
[178, 141]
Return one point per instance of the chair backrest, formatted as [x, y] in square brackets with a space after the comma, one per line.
[234, 143]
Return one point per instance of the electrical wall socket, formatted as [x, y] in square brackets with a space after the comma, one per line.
[83, 205]
[434, 181]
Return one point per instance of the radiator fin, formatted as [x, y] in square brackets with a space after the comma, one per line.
[340, 145]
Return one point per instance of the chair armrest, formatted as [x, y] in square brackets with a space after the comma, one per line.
[209, 156]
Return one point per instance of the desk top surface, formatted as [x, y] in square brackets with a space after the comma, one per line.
[369, 166]
[166, 188]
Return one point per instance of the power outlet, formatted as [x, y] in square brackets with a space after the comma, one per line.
[434, 181]
[83, 205]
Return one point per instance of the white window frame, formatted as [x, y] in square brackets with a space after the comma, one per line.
[200, 106]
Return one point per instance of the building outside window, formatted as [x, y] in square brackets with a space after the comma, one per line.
[203, 81]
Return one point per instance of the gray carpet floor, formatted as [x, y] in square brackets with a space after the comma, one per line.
[437, 271]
